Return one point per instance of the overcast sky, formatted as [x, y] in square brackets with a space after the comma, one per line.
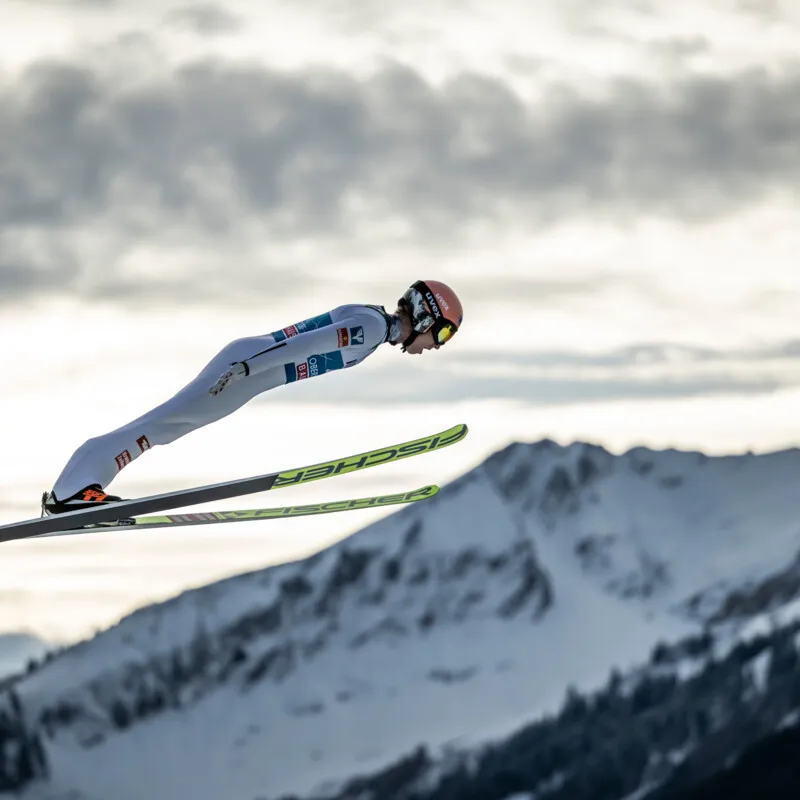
[611, 186]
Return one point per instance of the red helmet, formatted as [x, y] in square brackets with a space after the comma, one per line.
[434, 306]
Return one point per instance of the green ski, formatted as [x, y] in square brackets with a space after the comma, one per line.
[198, 518]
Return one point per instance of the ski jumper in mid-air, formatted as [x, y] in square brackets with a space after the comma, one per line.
[427, 316]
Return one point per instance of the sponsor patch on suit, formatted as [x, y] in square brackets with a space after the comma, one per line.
[357, 335]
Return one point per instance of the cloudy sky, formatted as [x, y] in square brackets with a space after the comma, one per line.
[610, 185]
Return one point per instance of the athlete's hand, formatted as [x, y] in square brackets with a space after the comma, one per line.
[237, 371]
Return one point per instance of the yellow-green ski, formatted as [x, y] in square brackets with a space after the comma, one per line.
[254, 514]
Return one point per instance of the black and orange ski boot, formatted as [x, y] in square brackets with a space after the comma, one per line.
[89, 497]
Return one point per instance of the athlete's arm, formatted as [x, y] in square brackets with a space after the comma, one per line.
[299, 347]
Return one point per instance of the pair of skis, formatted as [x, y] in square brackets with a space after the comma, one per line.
[127, 513]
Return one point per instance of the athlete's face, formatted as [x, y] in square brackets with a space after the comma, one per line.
[423, 341]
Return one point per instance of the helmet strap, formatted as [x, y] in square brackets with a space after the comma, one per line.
[409, 339]
[413, 335]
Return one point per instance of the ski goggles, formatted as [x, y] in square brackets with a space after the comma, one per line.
[443, 331]
[423, 320]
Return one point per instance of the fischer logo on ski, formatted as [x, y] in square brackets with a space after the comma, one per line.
[371, 459]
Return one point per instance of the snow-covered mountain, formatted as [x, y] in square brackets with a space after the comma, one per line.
[447, 623]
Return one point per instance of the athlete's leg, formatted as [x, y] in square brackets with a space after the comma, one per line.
[100, 459]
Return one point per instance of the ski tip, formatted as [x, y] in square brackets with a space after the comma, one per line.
[452, 435]
[423, 493]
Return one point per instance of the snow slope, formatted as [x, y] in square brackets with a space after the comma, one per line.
[452, 621]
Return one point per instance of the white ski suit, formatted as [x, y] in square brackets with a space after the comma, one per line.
[342, 337]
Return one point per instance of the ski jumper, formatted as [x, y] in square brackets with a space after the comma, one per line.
[340, 338]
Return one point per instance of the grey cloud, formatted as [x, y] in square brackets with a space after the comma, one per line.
[554, 391]
[767, 11]
[28, 272]
[216, 287]
[536, 292]
[214, 146]
[77, 3]
[407, 385]
[207, 19]
[638, 355]
[532, 292]
[678, 49]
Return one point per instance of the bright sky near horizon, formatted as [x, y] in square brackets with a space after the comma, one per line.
[611, 186]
